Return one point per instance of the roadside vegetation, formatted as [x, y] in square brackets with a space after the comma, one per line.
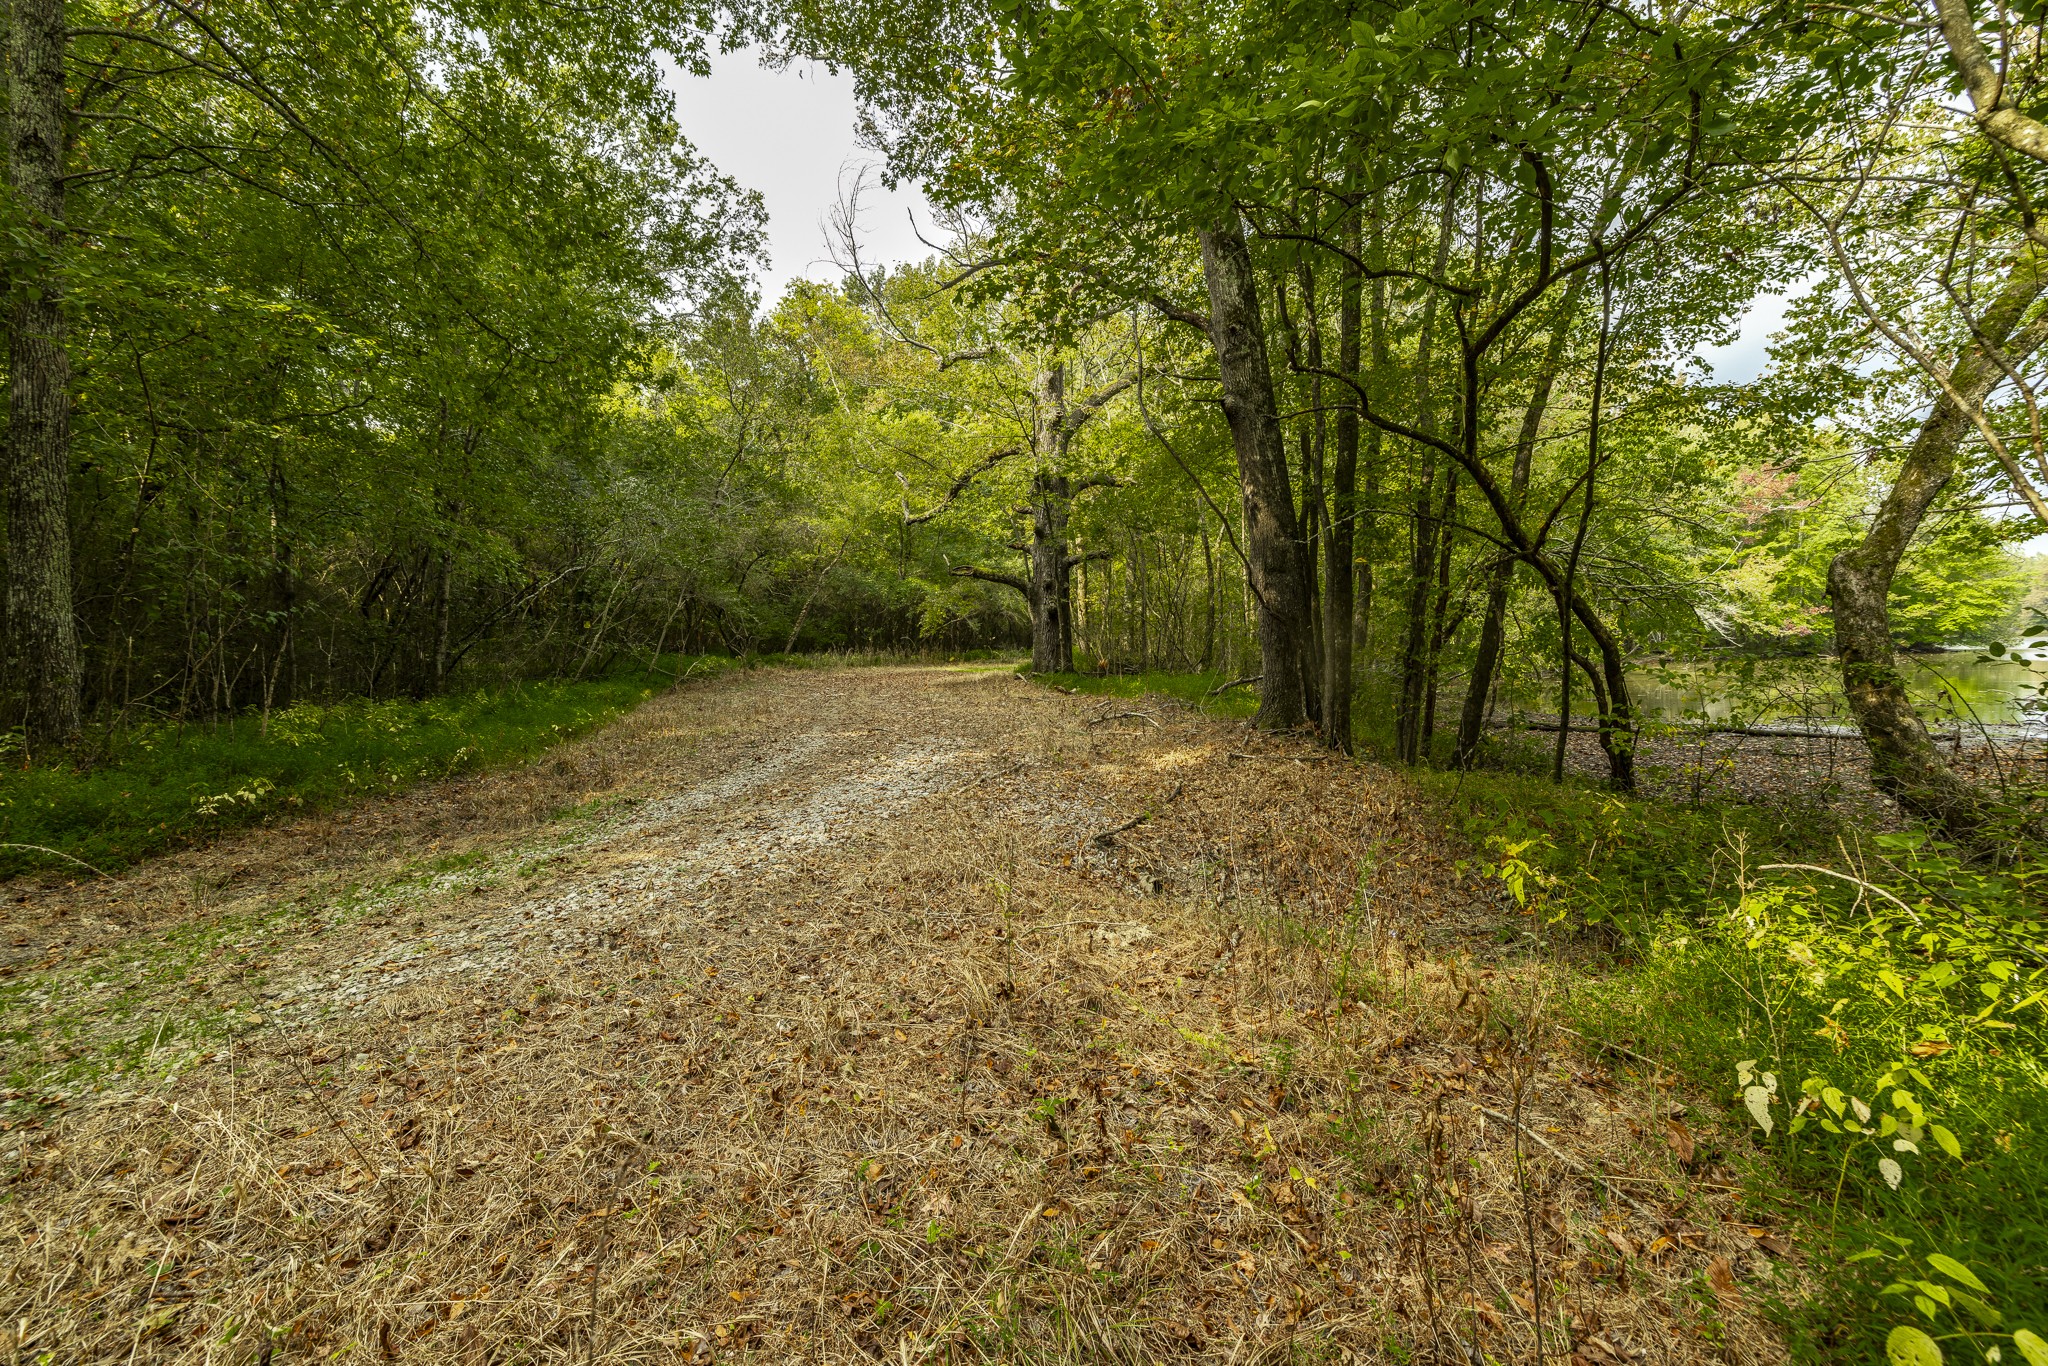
[1868, 1005]
[160, 786]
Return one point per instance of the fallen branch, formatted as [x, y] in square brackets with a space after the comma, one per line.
[1574, 1166]
[1144, 716]
[1298, 758]
[1829, 872]
[1103, 838]
[1077, 924]
[1247, 680]
[1753, 732]
[989, 777]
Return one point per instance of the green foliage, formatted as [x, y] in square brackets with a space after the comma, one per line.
[1198, 689]
[166, 785]
[1910, 1012]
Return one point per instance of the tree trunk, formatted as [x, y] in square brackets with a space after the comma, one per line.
[1209, 580]
[1272, 538]
[1375, 447]
[1441, 627]
[1338, 636]
[281, 683]
[42, 633]
[444, 616]
[1049, 498]
[1408, 744]
[1493, 626]
[1904, 763]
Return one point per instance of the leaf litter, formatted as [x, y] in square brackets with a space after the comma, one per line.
[827, 1026]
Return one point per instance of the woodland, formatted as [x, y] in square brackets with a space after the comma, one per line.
[370, 364]
[379, 353]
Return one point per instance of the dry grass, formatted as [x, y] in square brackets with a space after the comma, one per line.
[837, 1036]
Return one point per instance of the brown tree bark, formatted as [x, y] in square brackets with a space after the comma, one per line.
[1904, 763]
[42, 632]
[1374, 449]
[1287, 692]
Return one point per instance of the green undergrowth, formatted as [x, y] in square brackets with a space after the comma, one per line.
[1879, 1040]
[1192, 688]
[1874, 1023]
[158, 786]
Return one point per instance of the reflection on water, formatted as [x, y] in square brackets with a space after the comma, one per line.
[1956, 685]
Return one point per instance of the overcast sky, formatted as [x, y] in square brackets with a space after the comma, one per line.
[789, 134]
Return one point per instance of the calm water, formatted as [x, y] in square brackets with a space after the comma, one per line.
[1950, 686]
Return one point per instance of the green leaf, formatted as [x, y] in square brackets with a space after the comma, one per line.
[1956, 1271]
[1933, 1291]
[1947, 1141]
[2031, 1347]
[1909, 1346]
[1986, 1316]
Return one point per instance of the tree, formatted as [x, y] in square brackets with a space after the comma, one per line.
[42, 636]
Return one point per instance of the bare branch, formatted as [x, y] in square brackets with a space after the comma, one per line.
[968, 571]
[960, 485]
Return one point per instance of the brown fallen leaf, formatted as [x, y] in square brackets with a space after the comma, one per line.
[1680, 1140]
[1777, 1245]
[1721, 1276]
[1622, 1242]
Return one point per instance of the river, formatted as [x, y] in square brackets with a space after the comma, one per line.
[1955, 686]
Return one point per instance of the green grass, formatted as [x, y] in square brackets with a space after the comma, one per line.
[160, 786]
[1194, 688]
[1689, 952]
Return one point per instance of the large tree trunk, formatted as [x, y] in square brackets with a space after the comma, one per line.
[1314, 517]
[42, 634]
[1048, 597]
[1904, 763]
[1338, 640]
[1272, 537]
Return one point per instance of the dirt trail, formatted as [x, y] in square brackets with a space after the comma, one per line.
[803, 1016]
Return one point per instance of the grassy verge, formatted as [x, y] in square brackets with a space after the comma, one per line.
[158, 787]
[1193, 688]
[1882, 1039]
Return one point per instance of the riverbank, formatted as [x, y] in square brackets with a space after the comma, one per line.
[1828, 770]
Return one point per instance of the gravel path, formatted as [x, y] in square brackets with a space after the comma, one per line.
[814, 1015]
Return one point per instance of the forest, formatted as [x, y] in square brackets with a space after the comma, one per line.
[392, 398]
